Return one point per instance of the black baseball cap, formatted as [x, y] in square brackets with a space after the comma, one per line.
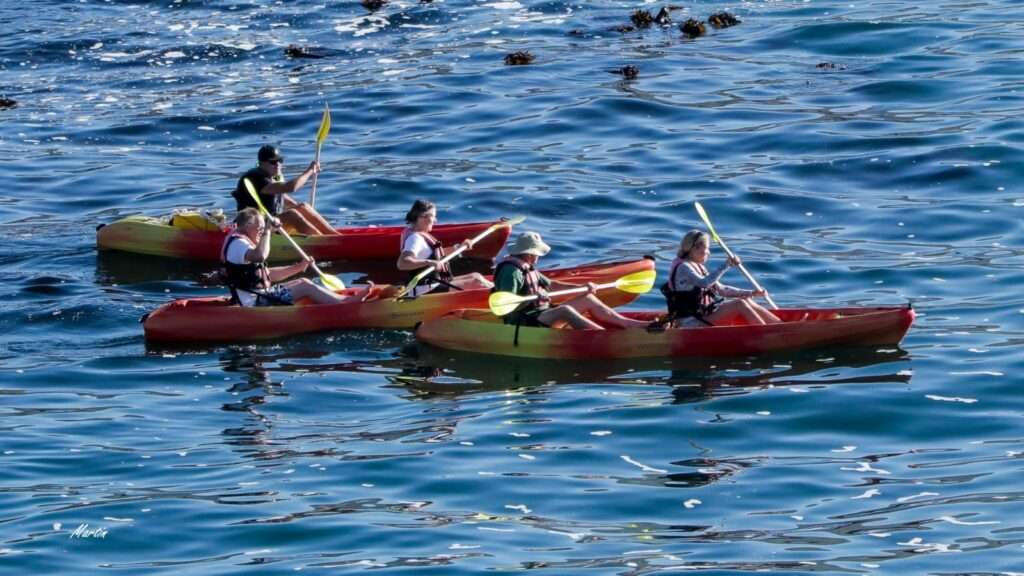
[268, 153]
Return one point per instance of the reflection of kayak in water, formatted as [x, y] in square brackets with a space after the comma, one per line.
[152, 236]
[448, 371]
[801, 329]
[196, 320]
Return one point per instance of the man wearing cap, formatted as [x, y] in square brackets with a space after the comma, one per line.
[268, 180]
[518, 274]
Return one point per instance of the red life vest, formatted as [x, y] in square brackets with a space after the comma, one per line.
[532, 282]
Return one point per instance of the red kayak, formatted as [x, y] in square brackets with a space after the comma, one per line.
[197, 320]
[481, 331]
[146, 235]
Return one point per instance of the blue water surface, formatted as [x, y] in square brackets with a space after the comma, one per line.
[853, 153]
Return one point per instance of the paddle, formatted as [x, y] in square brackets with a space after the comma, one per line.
[331, 282]
[750, 278]
[502, 303]
[321, 135]
[426, 271]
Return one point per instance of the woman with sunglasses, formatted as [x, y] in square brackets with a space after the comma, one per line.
[268, 180]
[697, 298]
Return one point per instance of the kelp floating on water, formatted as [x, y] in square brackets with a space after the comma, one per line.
[629, 72]
[693, 28]
[519, 58]
[830, 66]
[722, 20]
[296, 51]
[373, 5]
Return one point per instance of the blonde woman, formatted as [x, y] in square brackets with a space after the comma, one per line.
[696, 297]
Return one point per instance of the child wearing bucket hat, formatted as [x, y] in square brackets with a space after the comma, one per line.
[518, 274]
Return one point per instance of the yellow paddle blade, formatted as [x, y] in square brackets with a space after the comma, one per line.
[325, 126]
[515, 220]
[255, 195]
[502, 303]
[707, 221]
[637, 282]
[333, 283]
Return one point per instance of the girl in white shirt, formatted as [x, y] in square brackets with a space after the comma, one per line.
[421, 250]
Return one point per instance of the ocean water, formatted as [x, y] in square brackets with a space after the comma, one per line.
[853, 153]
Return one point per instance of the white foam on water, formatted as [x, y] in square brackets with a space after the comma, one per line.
[867, 494]
[643, 467]
[953, 520]
[916, 496]
[951, 399]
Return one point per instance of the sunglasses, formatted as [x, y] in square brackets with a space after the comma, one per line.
[275, 162]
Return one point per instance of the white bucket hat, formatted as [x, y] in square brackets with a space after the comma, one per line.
[529, 243]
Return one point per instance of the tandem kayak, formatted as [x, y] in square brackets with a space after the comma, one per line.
[196, 320]
[482, 332]
[154, 237]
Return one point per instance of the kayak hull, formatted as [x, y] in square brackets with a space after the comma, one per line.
[150, 236]
[197, 320]
[478, 331]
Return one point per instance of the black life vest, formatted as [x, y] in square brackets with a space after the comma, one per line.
[697, 302]
[252, 277]
[444, 275]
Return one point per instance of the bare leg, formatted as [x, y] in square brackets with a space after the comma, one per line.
[315, 219]
[741, 308]
[766, 315]
[567, 314]
[471, 280]
[602, 313]
[303, 288]
[295, 222]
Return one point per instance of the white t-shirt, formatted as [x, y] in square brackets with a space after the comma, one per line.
[417, 244]
[237, 249]
[420, 249]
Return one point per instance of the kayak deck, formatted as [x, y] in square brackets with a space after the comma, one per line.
[802, 328]
[215, 319]
[150, 236]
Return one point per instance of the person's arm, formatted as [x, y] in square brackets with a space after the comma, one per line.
[554, 285]
[292, 185]
[279, 273]
[731, 291]
[408, 261]
[261, 251]
[467, 243]
[688, 276]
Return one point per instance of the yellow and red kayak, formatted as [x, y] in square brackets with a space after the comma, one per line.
[196, 320]
[480, 331]
[152, 236]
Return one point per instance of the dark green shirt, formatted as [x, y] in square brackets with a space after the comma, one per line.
[509, 278]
